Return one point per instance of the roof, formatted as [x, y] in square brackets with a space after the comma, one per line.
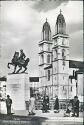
[46, 26]
[76, 64]
[60, 18]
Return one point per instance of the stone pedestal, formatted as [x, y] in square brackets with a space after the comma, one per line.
[19, 90]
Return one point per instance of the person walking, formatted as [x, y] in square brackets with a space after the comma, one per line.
[32, 105]
[47, 100]
[45, 104]
[8, 104]
[56, 105]
[76, 106]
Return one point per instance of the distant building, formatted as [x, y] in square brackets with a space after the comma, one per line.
[3, 88]
[2, 93]
[34, 82]
[57, 74]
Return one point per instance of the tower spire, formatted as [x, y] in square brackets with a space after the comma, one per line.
[46, 31]
[60, 24]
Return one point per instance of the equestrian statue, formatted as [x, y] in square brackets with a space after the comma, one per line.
[19, 61]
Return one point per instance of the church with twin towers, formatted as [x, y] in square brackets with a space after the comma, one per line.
[54, 63]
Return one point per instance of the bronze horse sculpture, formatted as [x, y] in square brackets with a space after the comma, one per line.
[17, 62]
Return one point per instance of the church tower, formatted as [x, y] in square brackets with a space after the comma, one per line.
[60, 61]
[45, 51]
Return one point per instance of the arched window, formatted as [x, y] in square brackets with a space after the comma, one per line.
[48, 58]
[63, 56]
[42, 59]
[63, 41]
[48, 75]
[71, 88]
[63, 52]
[63, 87]
[55, 53]
[49, 47]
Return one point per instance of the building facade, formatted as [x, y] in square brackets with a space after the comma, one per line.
[54, 63]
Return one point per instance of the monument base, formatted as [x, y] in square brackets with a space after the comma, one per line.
[19, 90]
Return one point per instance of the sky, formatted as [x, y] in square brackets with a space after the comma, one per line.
[21, 25]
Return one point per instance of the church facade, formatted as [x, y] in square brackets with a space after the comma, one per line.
[54, 70]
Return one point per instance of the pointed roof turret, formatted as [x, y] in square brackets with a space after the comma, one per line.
[60, 24]
[46, 31]
[60, 18]
[46, 26]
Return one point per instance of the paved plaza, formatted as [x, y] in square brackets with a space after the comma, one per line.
[51, 114]
[40, 118]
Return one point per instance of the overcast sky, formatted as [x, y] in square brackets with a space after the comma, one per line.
[21, 25]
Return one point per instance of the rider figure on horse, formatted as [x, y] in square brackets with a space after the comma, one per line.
[20, 61]
[22, 56]
[15, 57]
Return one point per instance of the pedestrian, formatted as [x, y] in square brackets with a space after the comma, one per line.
[76, 107]
[32, 105]
[56, 105]
[8, 104]
[68, 110]
[45, 104]
[47, 101]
